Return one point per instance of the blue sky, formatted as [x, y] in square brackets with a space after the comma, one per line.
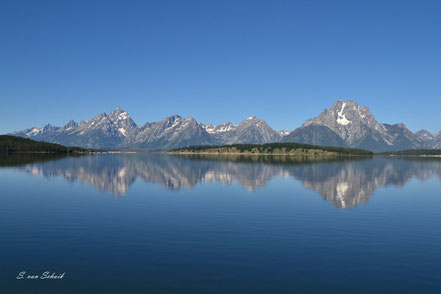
[284, 61]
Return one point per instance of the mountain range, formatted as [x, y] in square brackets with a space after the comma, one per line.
[345, 124]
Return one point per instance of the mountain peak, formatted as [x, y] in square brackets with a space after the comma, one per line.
[251, 120]
[423, 132]
[425, 136]
[350, 102]
[117, 111]
[173, 117]
[345, 124]
[48, 127]
[100, 116]
[118, 115]
[357, 127]
[70, 124]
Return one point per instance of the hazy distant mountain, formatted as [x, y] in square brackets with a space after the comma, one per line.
[436, 142]
[345, 124]
[424, 136]
[430, 141]
[348, 124]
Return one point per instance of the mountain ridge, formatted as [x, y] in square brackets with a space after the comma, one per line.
[345, 124]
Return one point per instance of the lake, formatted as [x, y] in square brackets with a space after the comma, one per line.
[151, 223]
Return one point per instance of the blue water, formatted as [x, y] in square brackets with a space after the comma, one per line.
[136, 223]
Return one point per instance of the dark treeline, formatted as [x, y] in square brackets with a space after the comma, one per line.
[414, 152]
[12, 144]
[18, 159]
[270, 147]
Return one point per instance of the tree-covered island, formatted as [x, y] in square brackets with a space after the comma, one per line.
[273, 149]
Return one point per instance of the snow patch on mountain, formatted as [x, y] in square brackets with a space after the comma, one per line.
[122, 131]
[284, 133]
[342, 117]
[345, 124]
[225, 127]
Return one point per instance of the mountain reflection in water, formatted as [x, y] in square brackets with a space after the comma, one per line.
[345, 183]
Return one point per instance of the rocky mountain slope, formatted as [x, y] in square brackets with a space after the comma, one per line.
[253, 130]
[345, 124]
[101, 131]
[117, 130]
[350, 125]
[169, 133]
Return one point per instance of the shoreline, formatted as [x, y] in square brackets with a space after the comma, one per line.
[409, 155]
[267, 154]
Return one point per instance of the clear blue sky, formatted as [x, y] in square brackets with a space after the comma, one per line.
[284, 61]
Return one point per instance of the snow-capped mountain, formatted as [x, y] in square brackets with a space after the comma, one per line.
[345, 124]
[225, 127]
[350, 125]
[117, 130]
[252, 130]
[101, 131]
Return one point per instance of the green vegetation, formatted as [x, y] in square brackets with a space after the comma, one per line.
[274, 149]
[12, 144]
[414, 152]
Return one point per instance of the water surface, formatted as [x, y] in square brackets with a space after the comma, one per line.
[140, 223]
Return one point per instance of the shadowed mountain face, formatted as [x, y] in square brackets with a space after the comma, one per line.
[344, 183]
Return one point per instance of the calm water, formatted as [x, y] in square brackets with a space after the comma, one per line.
[139, 223]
